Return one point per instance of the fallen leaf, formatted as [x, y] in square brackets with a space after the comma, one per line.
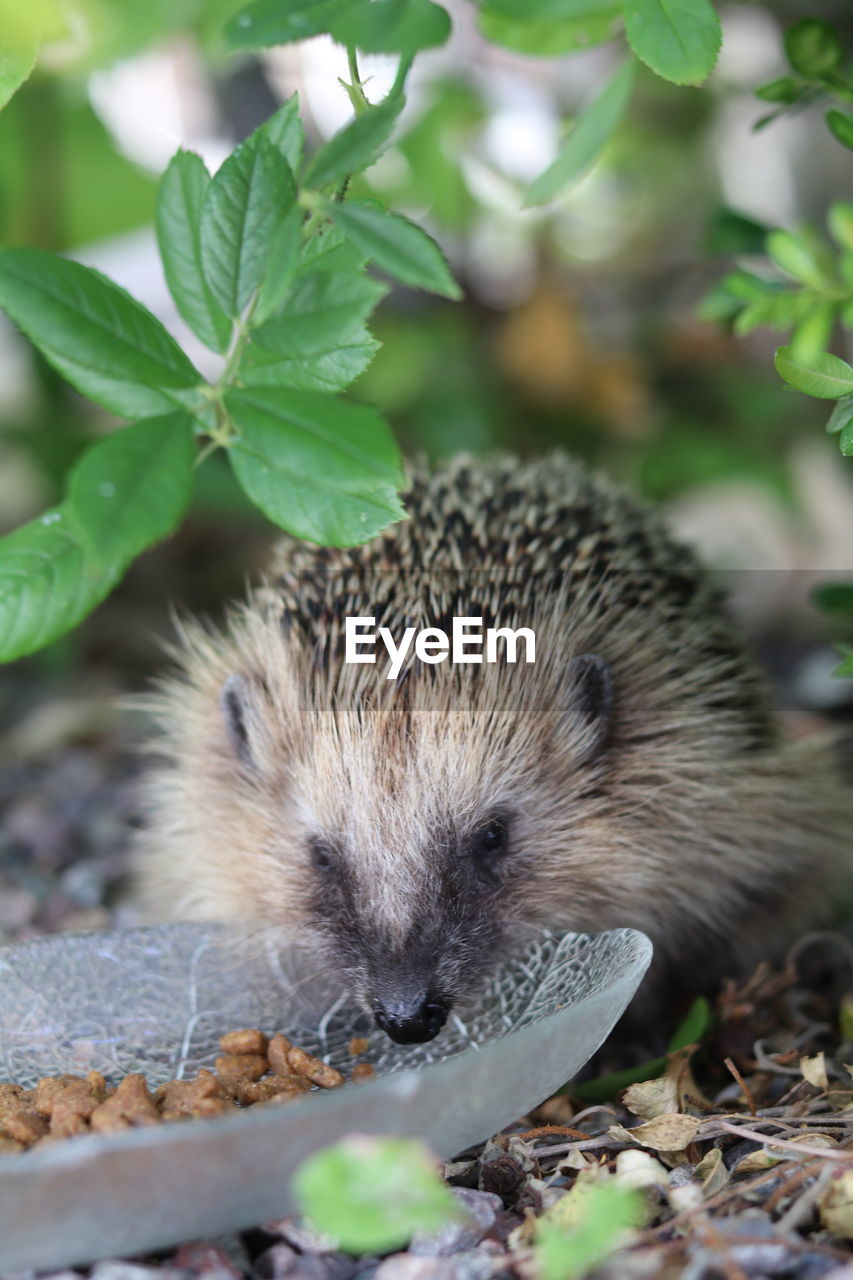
[814, 1070]
[836, 1204]
[669, 1132]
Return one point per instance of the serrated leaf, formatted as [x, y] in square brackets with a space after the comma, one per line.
[323, 469]
[16, 66]
[392, 26]
[178, 221]
[356, 146]
[130, 490]
[102, 340]
[587, 140]
[841, 416]
[50, 579]
[371, 1194]
[813, 47]
[396, 245]
[246, 204]
[549, 39]
[826, 376]
[679, 39]
[269, 22]
[283, 262]
[318, 340]
[285, 131]
[841, 127]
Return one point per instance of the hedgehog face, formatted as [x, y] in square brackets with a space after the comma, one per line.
[413, 837]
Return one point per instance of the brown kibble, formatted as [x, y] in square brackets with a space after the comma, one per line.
[358, 1045]
[267, 1090]
[204, 1096]
[72, 1105]
[50, 1089]
[362, 1071]
[244, 1041]
[9, 1147]
[315, 1070]
[131, 1105]
[279, 1047]
[24, 1125]
[241, 1066]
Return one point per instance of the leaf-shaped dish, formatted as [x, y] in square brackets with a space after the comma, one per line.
[156, 1000]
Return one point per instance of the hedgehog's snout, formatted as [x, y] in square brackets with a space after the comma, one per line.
[412, 1018]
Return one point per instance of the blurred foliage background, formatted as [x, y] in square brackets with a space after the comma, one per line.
[581, 322]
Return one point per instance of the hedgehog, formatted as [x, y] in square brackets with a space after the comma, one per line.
[634, 774]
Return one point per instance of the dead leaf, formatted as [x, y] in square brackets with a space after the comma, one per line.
[712, 1172]
[652, 1098]
[814, 1070]
[669, 1132]
[836, 1204]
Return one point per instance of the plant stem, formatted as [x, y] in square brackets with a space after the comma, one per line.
[356, 89]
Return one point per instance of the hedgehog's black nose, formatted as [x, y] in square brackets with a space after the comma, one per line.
[412, 1020]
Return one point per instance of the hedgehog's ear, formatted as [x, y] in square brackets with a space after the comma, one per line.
[239, 703]
[591, 700]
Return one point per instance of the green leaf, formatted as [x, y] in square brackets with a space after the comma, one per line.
[784, 90]
[131, 489]
[695, 1024]
[318, 340]
[834, 597]
[548, 39]
[841, 127]
[396, 245]
[799, 254]
[357, 145]
[813, 332]
[548, 10]
[246, 204]
[101, 339]
[825, 376]
[604, 1211]
[285, 131]
[841, 224]
[16, 66]
[729, 232]
[841, 415]
[813, 48]
[50, 579]
[283, 261]
[778, 310]
[270, 22]
[372, 1194]
[323, 469]
[678, 39]
[587, 140]
[845, 668]
[181, 196]
[392, 26]
[845, 440]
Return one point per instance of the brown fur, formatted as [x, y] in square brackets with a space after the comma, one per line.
[694, 820]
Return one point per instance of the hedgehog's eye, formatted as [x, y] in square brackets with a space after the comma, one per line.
[491, 839]
[322, 857]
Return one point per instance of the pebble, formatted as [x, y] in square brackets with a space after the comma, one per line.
[481, 1209]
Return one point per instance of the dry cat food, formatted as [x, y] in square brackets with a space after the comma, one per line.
[251, 1069]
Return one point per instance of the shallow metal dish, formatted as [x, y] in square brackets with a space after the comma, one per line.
[156, 1000]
